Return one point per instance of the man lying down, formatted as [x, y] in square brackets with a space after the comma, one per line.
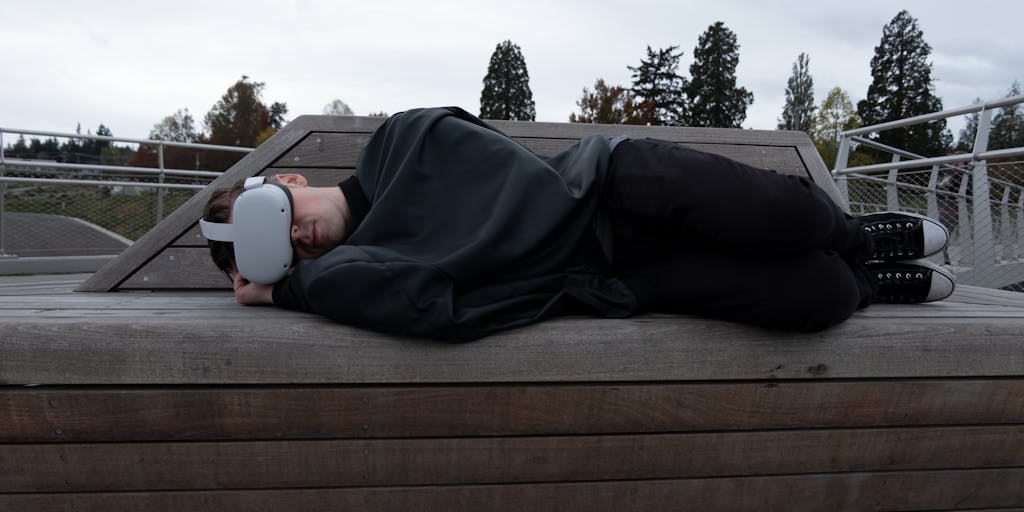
[452, 230]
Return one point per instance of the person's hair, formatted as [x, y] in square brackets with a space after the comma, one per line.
[218, 209]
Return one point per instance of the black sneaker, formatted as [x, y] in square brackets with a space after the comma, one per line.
[900, 236]
[911, 281]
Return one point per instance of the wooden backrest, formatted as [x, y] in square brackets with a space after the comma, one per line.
[174, 255]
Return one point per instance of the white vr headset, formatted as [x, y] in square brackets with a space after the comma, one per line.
[261, 231]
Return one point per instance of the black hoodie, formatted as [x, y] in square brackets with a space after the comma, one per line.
[463, 232]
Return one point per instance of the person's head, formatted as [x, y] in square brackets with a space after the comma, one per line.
[320, 219]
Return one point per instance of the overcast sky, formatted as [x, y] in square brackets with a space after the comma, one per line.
[128, 64]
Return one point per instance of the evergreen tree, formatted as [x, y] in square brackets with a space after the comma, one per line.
[798, 114]
[835, 115]
[1008, 125]
[105, 132]
[177, 127]
[902, 87]
[658, 89]
[89, 150]
[44, 150]
[715, 100]
[71, 149]
[606, 105]
[19, 149]
[506, 93]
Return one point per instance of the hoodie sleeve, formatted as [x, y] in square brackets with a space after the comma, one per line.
[370, 289]
[373, 289]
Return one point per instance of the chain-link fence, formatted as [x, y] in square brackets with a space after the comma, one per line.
[51, 209]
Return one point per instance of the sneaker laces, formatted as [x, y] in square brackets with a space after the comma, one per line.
[902, 285]
[895, 238]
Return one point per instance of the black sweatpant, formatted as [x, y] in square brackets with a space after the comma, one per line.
[697, 233]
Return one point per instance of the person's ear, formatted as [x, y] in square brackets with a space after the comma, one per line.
[291, 180]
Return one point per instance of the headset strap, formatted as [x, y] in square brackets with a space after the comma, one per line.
[223, 232]
[217, 231]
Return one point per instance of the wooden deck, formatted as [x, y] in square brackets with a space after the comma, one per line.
[187, 401]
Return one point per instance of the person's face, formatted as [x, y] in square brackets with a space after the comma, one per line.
[318, 223]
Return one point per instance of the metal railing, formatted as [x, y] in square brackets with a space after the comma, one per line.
[95, 208]
[984, 212]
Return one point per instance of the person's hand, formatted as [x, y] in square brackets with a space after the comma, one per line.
[251, 293]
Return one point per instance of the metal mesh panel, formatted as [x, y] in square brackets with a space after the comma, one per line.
[66, 219]
[983, 252]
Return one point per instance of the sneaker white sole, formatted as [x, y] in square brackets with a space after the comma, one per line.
[943, 282]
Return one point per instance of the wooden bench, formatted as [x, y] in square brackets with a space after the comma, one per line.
[166, 395]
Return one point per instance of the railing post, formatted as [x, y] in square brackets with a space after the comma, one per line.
[842, 160]
[1019, 232]
[1005, 231]
[160, 179]
[892, 193]
[964, 223]
[981, 220]
[933, 199]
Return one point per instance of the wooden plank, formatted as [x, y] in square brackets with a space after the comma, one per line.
[266, 412]
[928, 490]
[321, 123]
[269, 345]
[547, 130]
[820, 173]
[113, 304]
[451, 461]
[342, 150]
[319, 149]
[178, 267]
[54, 292]
[20, 286]
[784, 159]
[520, 129]
[988, 296]
[197, 300]
[185, 216]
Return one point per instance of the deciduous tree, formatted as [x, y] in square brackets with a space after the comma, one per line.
[606, 105]
[337, 108]
[835, 115]
[239, 118]
[177, 127]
